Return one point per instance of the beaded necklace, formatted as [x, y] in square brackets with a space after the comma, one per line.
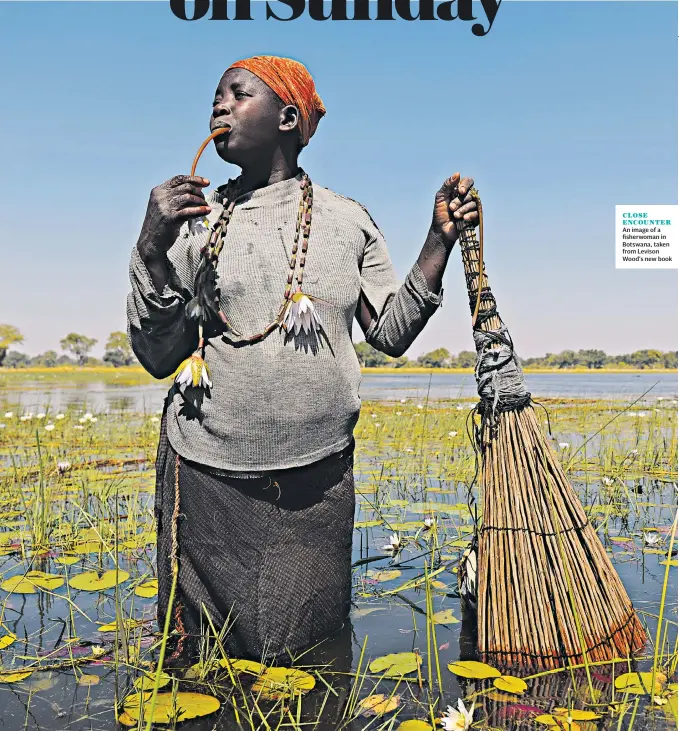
[205, 304]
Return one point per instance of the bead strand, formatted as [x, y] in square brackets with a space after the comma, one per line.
[215, 244]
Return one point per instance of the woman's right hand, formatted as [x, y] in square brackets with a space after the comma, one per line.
[171, 204]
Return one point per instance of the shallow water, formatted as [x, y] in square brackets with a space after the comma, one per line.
[146, 397]
[396, 471]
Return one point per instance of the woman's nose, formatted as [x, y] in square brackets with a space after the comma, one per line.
[220, 109]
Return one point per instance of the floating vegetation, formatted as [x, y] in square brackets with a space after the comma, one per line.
[78, 635]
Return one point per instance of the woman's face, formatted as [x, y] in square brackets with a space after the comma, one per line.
[255, 114]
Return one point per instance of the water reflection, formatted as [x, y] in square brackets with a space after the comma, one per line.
[148, 398]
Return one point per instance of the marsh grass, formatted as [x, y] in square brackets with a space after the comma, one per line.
[413, 461]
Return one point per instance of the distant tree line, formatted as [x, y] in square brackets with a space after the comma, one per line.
[76, 349]
[594, 359]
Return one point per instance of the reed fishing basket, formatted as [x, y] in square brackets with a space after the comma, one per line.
[547, 592]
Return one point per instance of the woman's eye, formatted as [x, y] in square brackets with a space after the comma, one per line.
[240, 94]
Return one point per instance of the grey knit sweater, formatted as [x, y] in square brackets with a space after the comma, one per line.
[276, 404]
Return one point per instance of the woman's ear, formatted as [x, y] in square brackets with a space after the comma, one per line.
[289, 118]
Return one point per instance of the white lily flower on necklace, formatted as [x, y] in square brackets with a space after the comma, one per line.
[193, 372]
[459, 719]
[394, 543]
[300, 314]
[198, 225]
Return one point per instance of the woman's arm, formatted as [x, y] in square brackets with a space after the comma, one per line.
[390, 316]
[159, 332]
[162, 272]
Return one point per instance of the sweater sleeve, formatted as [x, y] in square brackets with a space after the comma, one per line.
[402, 309]
[159, 332]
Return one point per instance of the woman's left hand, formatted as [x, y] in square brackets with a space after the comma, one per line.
[452, 203]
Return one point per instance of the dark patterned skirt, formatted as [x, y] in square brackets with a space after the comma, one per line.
[268, 557]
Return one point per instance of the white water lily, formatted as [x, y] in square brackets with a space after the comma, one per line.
[459, 407]
[459, 719]
[300, 314]
[63, 467]
[452, 434]
[41, 415]
[154, 419]
[652, 538]
[49, 427]
[193, 372]
[403, 400]
[60, 416]
[2, 426]
[607, 480]
[419, 406]
[9, 414]
[394, 543]
[198, 225]
[429, 522]
[564, 445]
[78, 426]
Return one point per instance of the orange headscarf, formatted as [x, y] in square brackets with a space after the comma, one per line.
[293, 84]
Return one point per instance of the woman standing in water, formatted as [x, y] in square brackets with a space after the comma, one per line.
[253, 310]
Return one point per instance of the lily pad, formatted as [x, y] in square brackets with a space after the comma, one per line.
[67, 560]
[577, 715]
[92, 581]
[148, 681]
[14, 677]
[188, 705]
[396, 664]
[384, 574]
[473, 669]
[445, 616]
[367, 523]
[639, 683]
[88, 679]
[500, 697]
[7, 638]
[244, 666]
[559, 722]
[127, 624]
[414, 724]
[406, 525]
[33, 579]
[275, 683]
[148, 589]
[88, 547]
[510, 684]
[378, 704]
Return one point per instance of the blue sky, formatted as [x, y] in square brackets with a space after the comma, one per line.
[562, 111]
